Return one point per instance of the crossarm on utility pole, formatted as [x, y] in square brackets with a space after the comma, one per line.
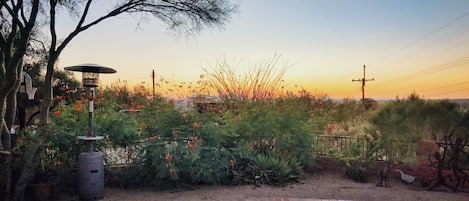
[363, 81]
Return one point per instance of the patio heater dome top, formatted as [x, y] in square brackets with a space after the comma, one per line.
[90, 73]
[90, 68]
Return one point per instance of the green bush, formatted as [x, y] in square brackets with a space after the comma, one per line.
[357, 169]
[263, 142]
[61, 144]
[276, 126]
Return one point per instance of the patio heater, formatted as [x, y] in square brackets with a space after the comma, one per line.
[90, 163]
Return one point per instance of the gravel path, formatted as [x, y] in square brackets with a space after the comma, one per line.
[323, 186]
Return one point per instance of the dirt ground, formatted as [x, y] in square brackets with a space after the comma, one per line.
[325, 185]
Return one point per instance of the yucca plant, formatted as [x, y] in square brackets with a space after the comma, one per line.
[276, 170]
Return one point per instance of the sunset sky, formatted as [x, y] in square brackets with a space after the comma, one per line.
[407, 46]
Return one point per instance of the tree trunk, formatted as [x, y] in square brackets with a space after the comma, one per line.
[31, 160]
[5, 184]
[32, 153]
[7, 112]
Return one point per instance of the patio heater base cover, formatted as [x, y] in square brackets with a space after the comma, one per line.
[91, 176]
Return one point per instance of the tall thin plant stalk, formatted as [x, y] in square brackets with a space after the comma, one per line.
[263, 80]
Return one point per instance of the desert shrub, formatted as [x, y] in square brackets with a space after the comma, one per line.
[61, 146]
[120, 129]
[182, 147]
[275, 126]
[361, 155]
[357, 169]
[414, 119]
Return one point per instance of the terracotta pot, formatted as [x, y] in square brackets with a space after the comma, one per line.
[42, 191]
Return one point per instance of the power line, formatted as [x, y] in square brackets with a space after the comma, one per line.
[449, 92]
[446, 86]
[433, 69]
[439, 68]
[422, 37]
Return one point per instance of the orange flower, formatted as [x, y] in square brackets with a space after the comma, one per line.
[196, 125]
[175, 134]
[232, 163]
[57, 113]
[153, 138]
[192, 146]
[58, 98]
[193, 138]
[143, 126]
[77, 108]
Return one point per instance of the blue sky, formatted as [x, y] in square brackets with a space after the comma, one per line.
[326, 43]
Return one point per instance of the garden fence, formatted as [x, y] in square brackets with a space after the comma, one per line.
[324, 146]
[341, 146]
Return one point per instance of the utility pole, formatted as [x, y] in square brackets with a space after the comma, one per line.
[363, 81]
[153, 83]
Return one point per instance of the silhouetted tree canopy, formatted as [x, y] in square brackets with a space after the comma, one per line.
[19, 20]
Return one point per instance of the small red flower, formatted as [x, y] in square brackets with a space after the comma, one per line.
[57, 113]
[169, 158]
[58, 98]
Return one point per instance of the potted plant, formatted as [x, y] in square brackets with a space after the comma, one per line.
[42, 184]
[45, 177]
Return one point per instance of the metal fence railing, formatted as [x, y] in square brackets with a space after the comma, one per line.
[116, 156]
[324, 145]
[327, 145]
[343, 146]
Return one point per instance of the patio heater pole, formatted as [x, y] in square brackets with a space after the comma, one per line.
[89, 143]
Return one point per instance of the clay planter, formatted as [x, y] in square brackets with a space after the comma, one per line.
[42, 191]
